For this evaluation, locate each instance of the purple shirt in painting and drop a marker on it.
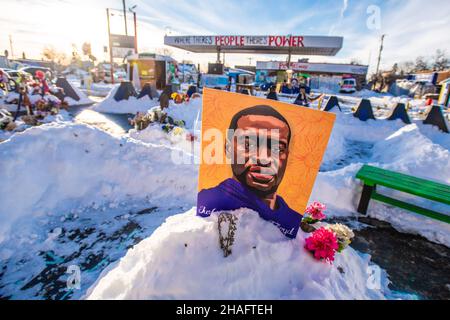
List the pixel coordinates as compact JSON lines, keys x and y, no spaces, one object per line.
{"x":232,"y":195}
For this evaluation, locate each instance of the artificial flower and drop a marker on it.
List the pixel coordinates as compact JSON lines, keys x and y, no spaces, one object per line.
{"x":343,"y":233}
{"x":315,"y":211}
{"x":323,"y":244}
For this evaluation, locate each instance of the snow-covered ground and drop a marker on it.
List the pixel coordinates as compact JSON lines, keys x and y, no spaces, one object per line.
{"x":70,"y":191}
{"x":61,"y":166}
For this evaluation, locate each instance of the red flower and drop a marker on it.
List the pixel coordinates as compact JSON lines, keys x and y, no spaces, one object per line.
{"x":323,"y":243}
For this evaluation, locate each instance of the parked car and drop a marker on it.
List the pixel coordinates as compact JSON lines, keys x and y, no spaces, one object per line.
{"x":119,"y":76}
{"x":32,"y":71}
{"x":348,"y":86}
{"x":14,"y":74}
{"x":103,"y":73}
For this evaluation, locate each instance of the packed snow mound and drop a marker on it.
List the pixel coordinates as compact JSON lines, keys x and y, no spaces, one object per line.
{"x":186,"y":138}
{"x":179,"y":138}
{"x":336,"y":145}
{"x":60,"y":166}
{"x":190,"y":112}
{"x":84,"y":100}
{"x":132,"y":105}
{"x":408,"y":150}
{"x":182,"y":259}
{"x":99,"y":89}
{"x":50,"y":97}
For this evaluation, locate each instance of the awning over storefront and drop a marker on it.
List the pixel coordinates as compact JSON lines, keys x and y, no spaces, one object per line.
{"x":270,"y":44}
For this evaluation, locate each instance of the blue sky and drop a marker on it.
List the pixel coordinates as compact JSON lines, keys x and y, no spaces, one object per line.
{"x":413,"y":27}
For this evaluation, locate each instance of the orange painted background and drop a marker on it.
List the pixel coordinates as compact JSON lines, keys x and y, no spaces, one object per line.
{"x":311,"y":130}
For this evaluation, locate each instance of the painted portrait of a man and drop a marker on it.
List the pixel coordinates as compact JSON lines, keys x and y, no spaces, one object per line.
{"x":260,"y":154}
{"x":257,"y":143}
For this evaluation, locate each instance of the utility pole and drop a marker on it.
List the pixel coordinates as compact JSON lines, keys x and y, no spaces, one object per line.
{"x":110,"y":48}
{"x":125,"y":16}
{"x":379,"y":54}
{"x":11,"y":46}
{"x":135,"y":32}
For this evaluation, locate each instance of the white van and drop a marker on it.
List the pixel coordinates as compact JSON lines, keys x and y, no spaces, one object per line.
{"x":348,"y":85}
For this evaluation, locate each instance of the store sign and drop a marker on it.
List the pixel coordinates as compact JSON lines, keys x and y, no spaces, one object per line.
{"x":276,"y":41}
{"x":121,"y":41}
{"x":122,"y":46}
{"x":312,"y":67}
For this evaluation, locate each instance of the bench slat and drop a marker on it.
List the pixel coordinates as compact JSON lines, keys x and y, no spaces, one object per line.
{"x":424,"y":188}
{"x":391,"y":175}
{"x":411,"y":207}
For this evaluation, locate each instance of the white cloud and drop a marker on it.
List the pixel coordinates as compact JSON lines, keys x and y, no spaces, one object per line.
{"x":341,"y":17}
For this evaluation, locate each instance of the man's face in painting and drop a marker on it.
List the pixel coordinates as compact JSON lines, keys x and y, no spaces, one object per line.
{"x":261,"y":151}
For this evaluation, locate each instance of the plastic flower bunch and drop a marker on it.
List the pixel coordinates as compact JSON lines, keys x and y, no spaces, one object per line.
{"x":314,"y":212}
{"x":323,"y":244}
{"x":343,"y":234}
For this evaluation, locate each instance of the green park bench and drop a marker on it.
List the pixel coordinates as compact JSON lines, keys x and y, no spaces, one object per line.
{"x":373,"y":176}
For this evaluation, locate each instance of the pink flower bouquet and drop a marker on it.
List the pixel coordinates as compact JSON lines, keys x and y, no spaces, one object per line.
{"x":314,"y":212}
{"x":323,"y":244}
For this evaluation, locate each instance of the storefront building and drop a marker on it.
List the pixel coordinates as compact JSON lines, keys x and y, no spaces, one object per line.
{"x":320,"y":74}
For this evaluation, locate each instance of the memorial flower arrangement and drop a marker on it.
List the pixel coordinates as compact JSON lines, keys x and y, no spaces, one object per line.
{"x":323,"y":244}
{"x":325,"y":241}
{"x":314,"y":212}
{"x":343,"y":233}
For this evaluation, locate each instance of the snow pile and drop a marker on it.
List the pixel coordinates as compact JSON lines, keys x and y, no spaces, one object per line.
{"x":132,"y":105}
{"x":179,"y":138}
{"x":190,"y":113}
{"x":34,"y":98}
{"x":100,"y":89}
{"x":182,"y":260}
{"x":62,"y":116}
{"x":59,"y":166}
{"x":336,"y":145}
{"x":84,"y":100}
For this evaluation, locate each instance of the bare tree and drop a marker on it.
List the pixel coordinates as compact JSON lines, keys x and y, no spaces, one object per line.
{"x":86,"y":47}
{"x":421,"y":64}
{"x":406,"y":67}
{"x":440,"y":61}
{"x":49,"y":53}
{"x":87,"y":51}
